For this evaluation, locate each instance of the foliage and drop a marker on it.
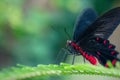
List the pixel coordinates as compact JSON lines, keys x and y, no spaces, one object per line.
{"x":21,"y":72}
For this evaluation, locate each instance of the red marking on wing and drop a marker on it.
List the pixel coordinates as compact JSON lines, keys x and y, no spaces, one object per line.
{"x":106,"y":65}
{"x":105,"y":41}
{"x":112,"y":52}
{"x":113,"y":61}
{"x":110,"y":46}
{"x":97,"y":38}
{"x":98,"y":53}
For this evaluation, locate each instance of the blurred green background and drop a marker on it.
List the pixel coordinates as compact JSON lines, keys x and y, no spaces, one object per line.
{"x":32,"y":31}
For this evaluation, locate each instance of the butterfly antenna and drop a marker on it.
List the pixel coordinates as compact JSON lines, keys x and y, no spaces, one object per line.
{"x":67,"y":34}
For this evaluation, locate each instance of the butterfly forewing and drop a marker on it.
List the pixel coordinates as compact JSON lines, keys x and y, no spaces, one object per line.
{"x":85,"y":18}
{"x":105,"y":25}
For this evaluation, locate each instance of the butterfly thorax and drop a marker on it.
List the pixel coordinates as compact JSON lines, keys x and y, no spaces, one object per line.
{"x":73,"y":44}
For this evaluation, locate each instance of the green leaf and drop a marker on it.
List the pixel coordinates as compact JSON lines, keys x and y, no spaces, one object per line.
{"x":21,"y":72}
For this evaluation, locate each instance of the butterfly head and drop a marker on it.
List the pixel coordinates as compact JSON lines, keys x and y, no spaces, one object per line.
{"x":69,"y":42}
{"x":71,"y":47}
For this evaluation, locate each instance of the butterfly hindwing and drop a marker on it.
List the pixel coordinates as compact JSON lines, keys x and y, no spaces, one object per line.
{"x":103,"y":58}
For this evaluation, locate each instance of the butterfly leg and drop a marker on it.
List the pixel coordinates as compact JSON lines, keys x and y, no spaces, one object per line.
{"x":73,"y":58}
{"x":62,"y":54}
{"x":84,"y":59}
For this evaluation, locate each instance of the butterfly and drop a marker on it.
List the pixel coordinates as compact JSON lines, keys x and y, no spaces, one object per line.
{"x":90,"y":37}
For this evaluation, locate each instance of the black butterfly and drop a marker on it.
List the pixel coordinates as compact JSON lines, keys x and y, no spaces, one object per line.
{"x":90,"y":36}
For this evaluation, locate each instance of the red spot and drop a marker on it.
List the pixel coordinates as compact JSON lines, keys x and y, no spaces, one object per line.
{"x":112,"y":52}
{"x":110,"y":46}
{"x":106,"y":65}
{"x":113,"y":61}
{"x":98,"y":53}
{"x":97,"y":38}
{"x":104,"y":41}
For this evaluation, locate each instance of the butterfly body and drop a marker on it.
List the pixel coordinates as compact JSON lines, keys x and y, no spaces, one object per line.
{"x":87,"y":56}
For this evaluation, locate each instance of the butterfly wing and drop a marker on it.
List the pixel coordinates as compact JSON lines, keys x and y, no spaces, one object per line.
{"x":94,"y":38}
{"x":86,"y":18}
{"x":104,"y":25}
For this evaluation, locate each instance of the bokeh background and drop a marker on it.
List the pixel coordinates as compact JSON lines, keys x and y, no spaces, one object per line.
{"x":32,"y":31}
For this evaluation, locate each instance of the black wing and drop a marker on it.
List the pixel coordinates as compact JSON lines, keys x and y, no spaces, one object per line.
{"x":86,"y":18}
{"x":102,"y":28}
{"x":104,"y":25}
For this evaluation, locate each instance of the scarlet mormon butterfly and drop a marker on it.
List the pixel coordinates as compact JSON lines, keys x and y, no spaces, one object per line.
{"x":90,"y":37}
